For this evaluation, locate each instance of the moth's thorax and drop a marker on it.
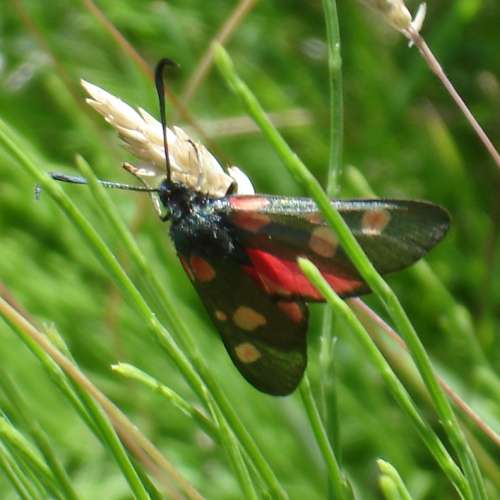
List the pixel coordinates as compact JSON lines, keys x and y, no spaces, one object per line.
{"x":198,"y":222}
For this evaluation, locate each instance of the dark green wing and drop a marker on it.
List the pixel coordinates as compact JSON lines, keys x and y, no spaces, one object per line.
{"x":276,"y":230}
{"x":264,"y":336}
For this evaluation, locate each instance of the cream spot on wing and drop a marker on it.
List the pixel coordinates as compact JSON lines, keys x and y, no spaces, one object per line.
{"x":248,"y":319}
{"x":292,"y":310}
{"x":220,"y":315}
{"x":202,"y":270}
{"x":375,"y":221}
{"x":314,"y":217}
{"x":247,"y":352}
{"x":323,"y":242}
{"x":251,"y":203}
{"x":252,"y":222}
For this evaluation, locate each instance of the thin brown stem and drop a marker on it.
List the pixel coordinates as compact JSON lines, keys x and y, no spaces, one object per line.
{"x":227,"y":29}
{"x":358,"y":306}
{"x":135,"y":441}
{"x":119,"y":38}
{"x":128,"y":48}
{"x":437,"y":69}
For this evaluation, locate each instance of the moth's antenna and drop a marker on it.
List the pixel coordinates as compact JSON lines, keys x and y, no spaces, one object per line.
{"x":160,"y":89}
{"x":74,"y":179}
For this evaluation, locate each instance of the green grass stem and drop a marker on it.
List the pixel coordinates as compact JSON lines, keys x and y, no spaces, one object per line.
{"x":205,"y":423}
{"x":365,"y":268}
{"x":235,"y":456}
{"x":390,"y":472}
{"x":328,"y":395}
{"x":135,"y":298}
{"x":195,"y":364}
{"x":338,"y":482}
{"x":85,"y":405}
{"x":395,"y":386}
{"x":17,"y":477}
{"x":25,"y":416}
{"x":19,"y":445}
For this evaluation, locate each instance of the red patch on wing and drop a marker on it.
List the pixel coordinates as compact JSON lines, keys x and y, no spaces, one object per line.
{"x":247,"y":203}
{"x":285,"y":275}
{"x":201,"y":269}
{"x":292,"y":310}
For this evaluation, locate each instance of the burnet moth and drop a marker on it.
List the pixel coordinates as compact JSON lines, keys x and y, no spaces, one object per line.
{"x":240,"y":249}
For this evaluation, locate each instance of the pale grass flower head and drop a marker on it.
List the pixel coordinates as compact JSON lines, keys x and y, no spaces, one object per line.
{"x":398,"y":16}
{"x":191,"y":163}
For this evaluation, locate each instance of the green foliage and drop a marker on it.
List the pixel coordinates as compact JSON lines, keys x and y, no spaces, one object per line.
{"x":403,"y":138}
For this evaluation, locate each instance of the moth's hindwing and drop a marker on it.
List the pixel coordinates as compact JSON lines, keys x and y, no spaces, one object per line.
{"x":276,"y":230}
{"x":264,"y":336}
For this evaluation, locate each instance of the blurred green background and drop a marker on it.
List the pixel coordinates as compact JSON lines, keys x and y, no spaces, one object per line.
{"x":403,"y":137}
